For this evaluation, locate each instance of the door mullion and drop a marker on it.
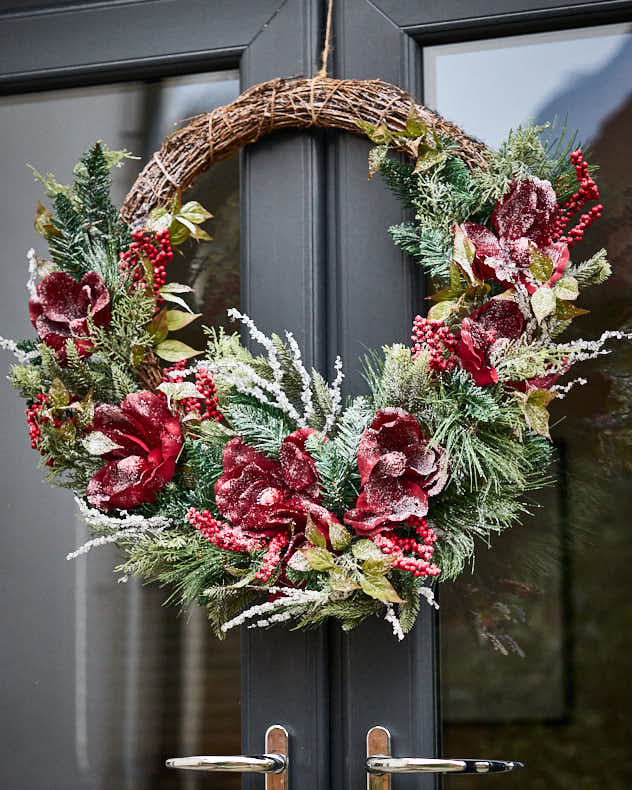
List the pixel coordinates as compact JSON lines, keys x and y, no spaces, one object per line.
{"x":285,"y":674}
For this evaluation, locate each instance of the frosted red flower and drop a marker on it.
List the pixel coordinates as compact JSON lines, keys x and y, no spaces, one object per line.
{"x":524,"y":221}
{"x":399,"y":470}
{"x":61,"y":308}
{"x":266,"y":497}
{"x":497,"y":319}
{"x":148,"y":439}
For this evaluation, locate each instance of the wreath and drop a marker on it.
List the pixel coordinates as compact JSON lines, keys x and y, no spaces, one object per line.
{"x":242,"y":480}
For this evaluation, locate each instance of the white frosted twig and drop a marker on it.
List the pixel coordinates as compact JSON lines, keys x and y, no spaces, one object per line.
{"x":563,"y":389}
{"x":427,"y":593}
{"x":392,"y":618}
{"x":246,"y":381}
{"x":103,"y":540}
{"x":22,"y":356}
{"x":96,"y":518}
{"x":31,"y":283}
{"x":336,"y":397}
{"x":124,"y":526}
{"x":292,"y":599}
{"x":306,"y":392}
{"x":276,"y":386}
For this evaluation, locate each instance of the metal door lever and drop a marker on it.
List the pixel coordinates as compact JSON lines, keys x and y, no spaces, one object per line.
{"x":274,"y":763}
{"x":380,"y":764}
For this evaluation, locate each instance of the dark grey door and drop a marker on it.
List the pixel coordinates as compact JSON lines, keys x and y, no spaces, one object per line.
{"x":151,"y":689}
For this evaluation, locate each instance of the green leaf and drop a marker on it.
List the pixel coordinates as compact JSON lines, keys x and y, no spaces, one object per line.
{"x":175,"y":288}
{"x":541,"y":266}
{"x":97,"y":443}
{"x":341,"y":582}
{"x":378,"y":134}
{"x":441,"y":310}
{"x":313,"y":534}
{"x":176,"y":319}
{"x":158,"y":327}
{"x":566,"y":311}
{"x":43,"y":222}
{"x":378,"y":566}
{"x":378,"y":586}
{"x":194,"y":212}
{"x":178,"y":390}
{"x":463,"y":254}
{"x":169,"y":291}
{"x":175,"y":351}
{"x":566,"y":288}
{"x":339,"y":536}
{"x":58,"y":394}
{"x":137,"y":354}
{"x":159,"y":220}
{"x":543,"y":303}
{"x":534,"y":406}
{"x":319,"y":559}
{"x":376,"y":157}
{"x":429,"y":158}
{"x":365,"y":549}
{"x":415,"y":127}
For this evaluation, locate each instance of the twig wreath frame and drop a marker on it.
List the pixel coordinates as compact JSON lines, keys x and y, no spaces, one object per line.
{"x":295,"y":103}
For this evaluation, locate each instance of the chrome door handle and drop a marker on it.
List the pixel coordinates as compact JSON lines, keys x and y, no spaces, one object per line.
{"x":380,"y":764}
{"x":274,"y":763}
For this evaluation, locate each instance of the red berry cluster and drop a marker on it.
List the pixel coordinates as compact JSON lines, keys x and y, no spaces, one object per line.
{"x":221,"y":534}
{"x":588,"y":190}
{"x":205,"y":386}
{"x":148,"y":248}
{"x":34,"y":418}
{"x":272,"y":557}
{"x":421,"y":545}
{"x":434,"y":337}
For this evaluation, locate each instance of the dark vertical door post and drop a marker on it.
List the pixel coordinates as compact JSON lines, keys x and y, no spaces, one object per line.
{"x":373,"y":294}
{"x":285,"y":673}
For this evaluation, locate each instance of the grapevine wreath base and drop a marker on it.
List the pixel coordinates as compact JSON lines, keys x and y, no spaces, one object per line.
{"x":242,"y":480}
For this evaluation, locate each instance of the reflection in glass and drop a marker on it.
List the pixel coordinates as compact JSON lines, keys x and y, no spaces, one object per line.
{"x":559,"y":699}
{"x":100,"y":683}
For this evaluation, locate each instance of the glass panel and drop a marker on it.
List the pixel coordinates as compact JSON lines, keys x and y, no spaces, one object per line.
{"x":559,"y":699}
{"x":100,"y":683}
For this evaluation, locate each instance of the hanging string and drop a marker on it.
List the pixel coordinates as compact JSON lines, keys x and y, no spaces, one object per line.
{"x":324,"y":57}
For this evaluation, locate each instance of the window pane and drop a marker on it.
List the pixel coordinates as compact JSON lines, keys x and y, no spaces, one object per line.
{"x":100,"y":683}
{"x":553,"y":594}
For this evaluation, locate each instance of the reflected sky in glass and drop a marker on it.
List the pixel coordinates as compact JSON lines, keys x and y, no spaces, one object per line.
{"x":579,"y":75}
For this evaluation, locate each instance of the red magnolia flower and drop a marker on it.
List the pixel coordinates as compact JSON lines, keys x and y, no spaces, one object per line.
{"x":399,"y":470}
{"x":266,"y":497}
{"x":61,"y":307}
{"x":524,"y":221}
{"x":493,"y":321}
{"x":149,"y":439}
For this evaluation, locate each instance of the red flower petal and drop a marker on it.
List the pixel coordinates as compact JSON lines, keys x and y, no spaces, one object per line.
{"x":503,"y":316}
{"x":149,"y":439}
{"x":528,"y":209}
{"x":297,"y":466}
